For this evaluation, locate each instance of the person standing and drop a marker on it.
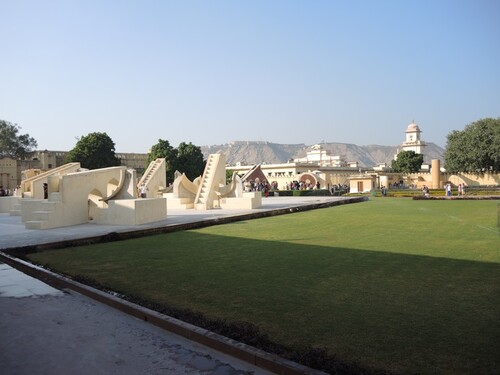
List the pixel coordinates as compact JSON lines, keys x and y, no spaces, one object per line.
{"x":448,"y":189}
{"x":144,"y":190}
{"x":384,"y":191}
{"x":425,"y":191}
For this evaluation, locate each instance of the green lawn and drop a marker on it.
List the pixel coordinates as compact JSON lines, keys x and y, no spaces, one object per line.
{"x":395,"y":284}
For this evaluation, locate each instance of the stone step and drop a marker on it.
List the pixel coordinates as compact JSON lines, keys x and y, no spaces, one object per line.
{"x":15,"y":212}
{"x":201,"y":206}
{"x":179,"y":203}
{"x":36,"y":224}
{"x":186,"y":206}
{"x":41,"y":215}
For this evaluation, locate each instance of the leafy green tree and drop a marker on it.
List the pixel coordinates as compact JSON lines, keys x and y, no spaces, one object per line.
{"x":187,"y":158}
{"x":229,"y":176}
{"x":407,"y":162}
{"x":13,"y":144}
{"x":190,"y":160}
{"x":93,"y":151}
{"x":475,"y":149}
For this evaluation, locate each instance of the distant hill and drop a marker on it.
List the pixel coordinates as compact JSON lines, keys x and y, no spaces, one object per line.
{"x":252,"y":152}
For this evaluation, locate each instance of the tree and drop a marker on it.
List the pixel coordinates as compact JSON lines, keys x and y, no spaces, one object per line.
{"x":93,"y":151}
{"x":407,"y":162}
{"x":14,"y":145}
{"x":229,"y":176}
{"x":475,"y":149}
{"x":187,"y":158}
{"x":190,"y":160}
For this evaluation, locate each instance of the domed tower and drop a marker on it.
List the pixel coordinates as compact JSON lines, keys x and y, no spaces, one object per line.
{"x":413,"y":141}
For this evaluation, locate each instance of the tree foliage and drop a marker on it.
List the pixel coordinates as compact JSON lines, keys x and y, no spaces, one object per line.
{"x":13,"y":144}
{"x":407,"y":162}
{"x":187,"y":158}
{"x":190,"y":160}
{"x":229,"y":176}
{"x":93,"y":151}
{"x":475,"y":149}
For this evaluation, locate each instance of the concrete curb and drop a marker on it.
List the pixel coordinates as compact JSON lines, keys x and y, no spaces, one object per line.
{"x":459,"y":198}
{"x":247,"y":353}
{"x":137,"y":233}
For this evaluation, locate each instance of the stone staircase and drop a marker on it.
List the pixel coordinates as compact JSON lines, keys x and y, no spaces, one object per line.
{"x":153,"y":178}
{"x":41,"y":213}
{"x":40,"y":218}
{"x":204,"y":198}
{"x":39,"y":222}
{"x":16,"y":208}
{"x":151,"y":171}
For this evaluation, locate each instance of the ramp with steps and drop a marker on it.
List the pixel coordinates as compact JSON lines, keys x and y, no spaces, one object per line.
{"x":38,"y":213}
{"x":33,"y":187}
{"x":213,"y":177}
{"x":211,"y":191}
{"x":154,"y":178}
{"x":101,"y":196}
{"x":16,"y":210}
{"x":9,"y":204}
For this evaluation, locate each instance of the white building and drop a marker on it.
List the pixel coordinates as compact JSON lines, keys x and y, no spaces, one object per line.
{"x":320,"y":157}
{"x":413,"y":141}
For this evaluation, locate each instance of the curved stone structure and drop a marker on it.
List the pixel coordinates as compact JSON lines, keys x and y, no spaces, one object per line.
{"x":234,"y":189}
{"x":102,"y":196}
{"x":210,"y":190}
{"x":32,"y":187}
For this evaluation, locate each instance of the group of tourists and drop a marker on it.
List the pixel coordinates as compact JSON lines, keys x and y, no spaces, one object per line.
{"x":301,"y":185}
{"x":4,"y":192}
{"x":338,"y":188}
{"x":257,"y":185}
{"x":449,"y":191}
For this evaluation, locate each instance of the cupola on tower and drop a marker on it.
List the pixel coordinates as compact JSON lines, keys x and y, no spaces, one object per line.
{"x":413,"y":141}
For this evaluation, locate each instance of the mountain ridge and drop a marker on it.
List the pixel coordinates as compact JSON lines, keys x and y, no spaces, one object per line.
{"x":259,"y":152}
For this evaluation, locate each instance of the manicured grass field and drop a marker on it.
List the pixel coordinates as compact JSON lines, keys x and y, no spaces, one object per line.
{"x":395,"y":284}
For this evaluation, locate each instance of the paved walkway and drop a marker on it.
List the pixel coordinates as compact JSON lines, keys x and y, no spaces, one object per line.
{"x":14,"y":234}
{"x":47,"y":331}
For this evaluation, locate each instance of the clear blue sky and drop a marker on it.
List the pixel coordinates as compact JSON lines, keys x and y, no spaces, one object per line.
{"x":212,"y":72}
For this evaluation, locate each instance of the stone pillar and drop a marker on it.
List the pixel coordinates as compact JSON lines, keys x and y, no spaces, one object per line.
{"x":384,"y":181}
{"x":436,"y":174}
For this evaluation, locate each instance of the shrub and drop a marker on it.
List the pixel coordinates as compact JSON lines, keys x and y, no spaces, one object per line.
{"x":300,"y":193}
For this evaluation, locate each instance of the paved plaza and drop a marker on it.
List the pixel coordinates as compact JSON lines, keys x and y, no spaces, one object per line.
{"x":14,"y":234}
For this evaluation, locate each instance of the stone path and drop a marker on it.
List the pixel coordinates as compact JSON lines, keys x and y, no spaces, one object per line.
{"x":47,"y":331}
{"x":14,"y":234}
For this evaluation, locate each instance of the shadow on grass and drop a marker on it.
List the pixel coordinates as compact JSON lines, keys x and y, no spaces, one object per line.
{"x":339,"y":310}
